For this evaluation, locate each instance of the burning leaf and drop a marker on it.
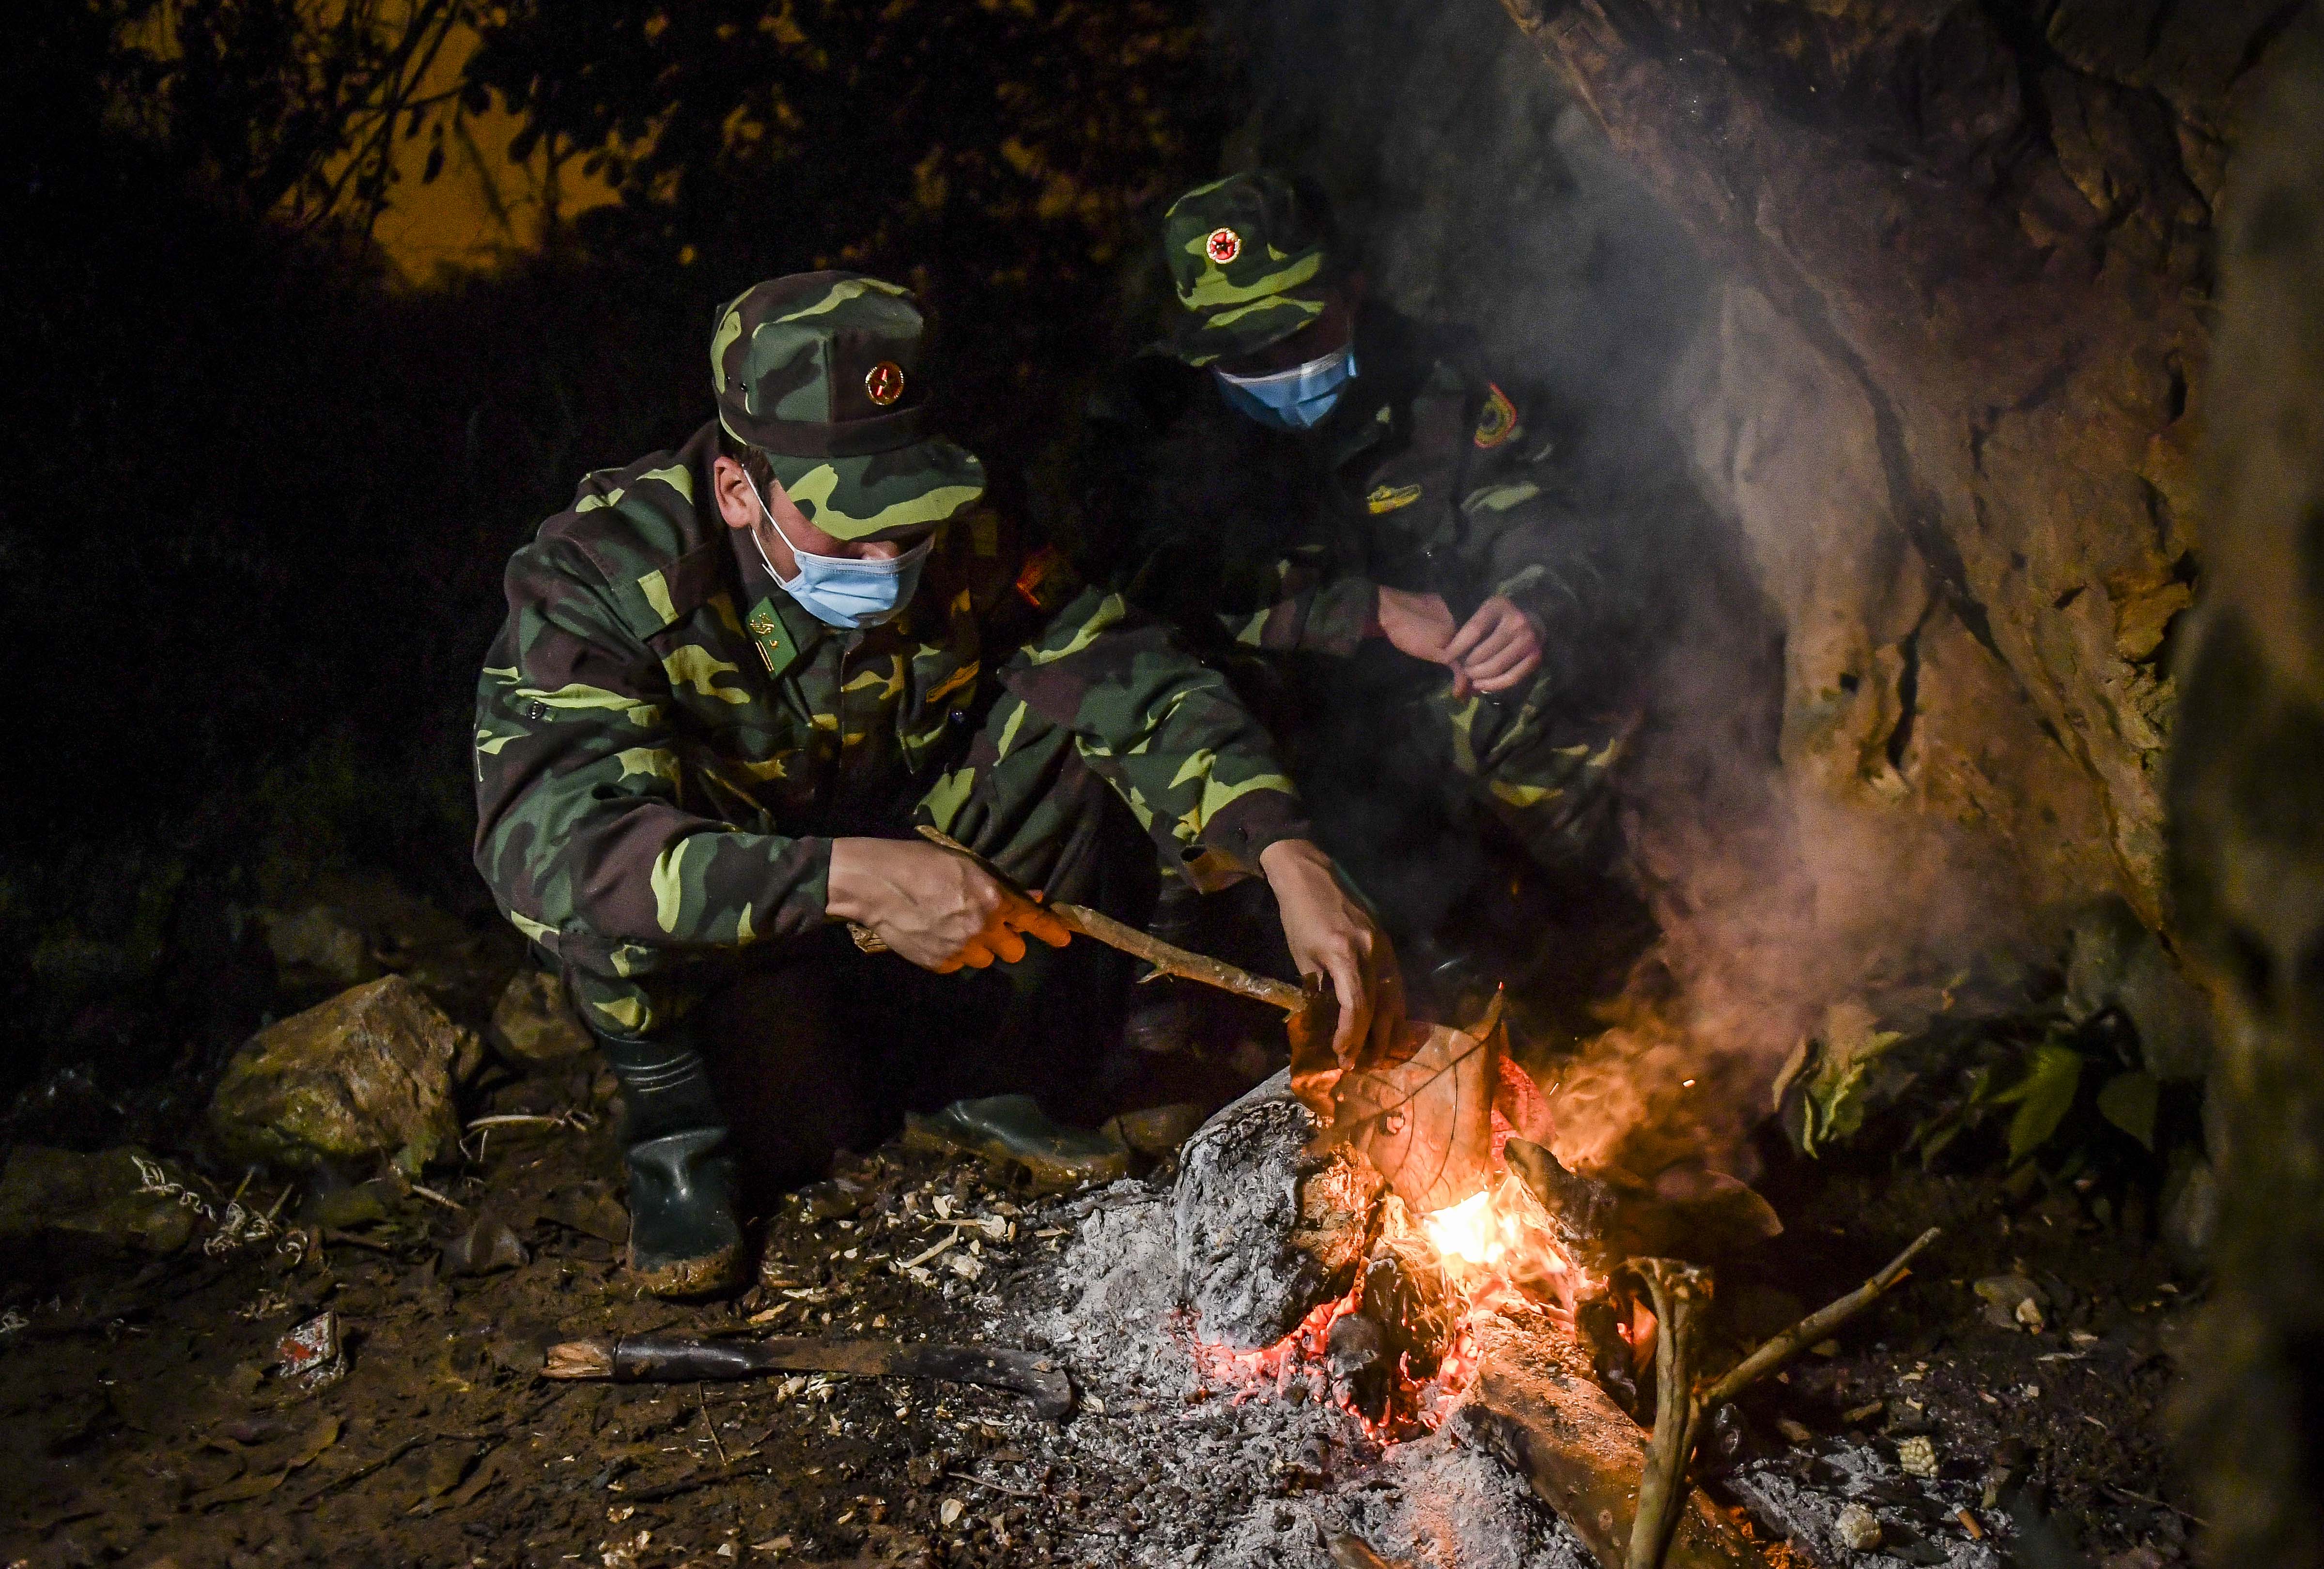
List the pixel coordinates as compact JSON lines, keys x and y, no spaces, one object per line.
{"x":1425,"y":1119}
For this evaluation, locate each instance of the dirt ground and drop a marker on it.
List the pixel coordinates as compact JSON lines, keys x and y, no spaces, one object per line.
{"x":141,"y":1419}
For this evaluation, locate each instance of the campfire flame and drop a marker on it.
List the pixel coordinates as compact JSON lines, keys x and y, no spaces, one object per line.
{"x":1498,"y":1255}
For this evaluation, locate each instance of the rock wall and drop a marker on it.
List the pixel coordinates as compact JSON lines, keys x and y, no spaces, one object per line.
{"x":1920,"y":286}
{"x":1957,"y":334}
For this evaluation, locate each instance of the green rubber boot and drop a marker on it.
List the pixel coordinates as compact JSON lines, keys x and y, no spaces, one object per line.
{"x":685,"y":1240}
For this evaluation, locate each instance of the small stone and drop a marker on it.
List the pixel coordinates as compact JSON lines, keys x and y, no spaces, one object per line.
{"x":1858,"y":1528}
{"x":2028,"y":1312}
{"x":1158,"y":1131}
{"x":948,"y":1512}
{"x":534,"y":1021}
{"x":1917,"y":1456}
{"x":1795,"y":1431}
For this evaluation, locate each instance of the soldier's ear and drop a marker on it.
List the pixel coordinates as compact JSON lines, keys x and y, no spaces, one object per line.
{"x":738,"y":504}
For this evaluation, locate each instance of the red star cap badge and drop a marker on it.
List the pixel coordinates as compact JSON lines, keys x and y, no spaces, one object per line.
{"x":1224,"y":246}
{"x":884,"y":383}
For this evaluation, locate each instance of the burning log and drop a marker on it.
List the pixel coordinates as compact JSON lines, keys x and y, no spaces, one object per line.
{"x":1267,"y":1227}
{"x":1406,"y":1293}
{"x":1535,"y":1405}
{"x":1610,"y":1216}
{"x":677,"y":1359}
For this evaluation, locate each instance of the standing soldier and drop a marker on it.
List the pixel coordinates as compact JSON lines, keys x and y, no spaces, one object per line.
{"x":1338,"y":504}
{"x":731,"y":679}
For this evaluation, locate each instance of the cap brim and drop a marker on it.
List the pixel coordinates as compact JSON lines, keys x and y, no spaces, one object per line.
{"x":1201,"y":336}
{"x":884,"y":492}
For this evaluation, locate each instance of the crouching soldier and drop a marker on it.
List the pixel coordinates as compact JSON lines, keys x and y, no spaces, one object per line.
{"x":733,"y":680}
{"x":1342,"y":504}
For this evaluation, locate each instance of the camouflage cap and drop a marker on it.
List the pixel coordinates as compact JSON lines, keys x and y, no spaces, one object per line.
{"x":820,"y":372}
{"x":1248,"y":256}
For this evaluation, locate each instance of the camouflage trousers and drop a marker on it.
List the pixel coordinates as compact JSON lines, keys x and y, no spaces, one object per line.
{"x":1026,"y":794}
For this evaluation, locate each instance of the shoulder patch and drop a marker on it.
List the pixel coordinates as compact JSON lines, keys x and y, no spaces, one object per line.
{"x":1497,"y":421}
{"x":1388,"y":497}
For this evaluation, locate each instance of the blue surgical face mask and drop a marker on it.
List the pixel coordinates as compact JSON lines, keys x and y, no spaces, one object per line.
{"x":846,"y":591}
{"x":1292,"y":399}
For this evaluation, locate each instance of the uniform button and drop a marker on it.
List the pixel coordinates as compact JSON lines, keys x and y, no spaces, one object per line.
{"x":537,"y":710}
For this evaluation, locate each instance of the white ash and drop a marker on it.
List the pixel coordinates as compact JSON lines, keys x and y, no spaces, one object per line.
{"x":1109,"y":1302}
{"x":1910,"y":1509}
{"x":1272,"y":1480}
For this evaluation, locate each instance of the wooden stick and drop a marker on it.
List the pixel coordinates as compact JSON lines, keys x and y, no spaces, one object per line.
{"x":1679,"y":1291}
{"x":1816,"y":1326}
{"x":676,"y":1359}
{"x":1167,"y":957}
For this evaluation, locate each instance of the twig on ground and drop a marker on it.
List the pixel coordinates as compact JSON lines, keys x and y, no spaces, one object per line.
{"x":702,"y":1404}
{"x":433,"y":1196}
{"x":994,"y":1486}
{"x":2126,"y":1496}
{"x":1815,"y":1327}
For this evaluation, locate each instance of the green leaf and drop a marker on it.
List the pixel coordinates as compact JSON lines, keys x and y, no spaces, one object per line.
{"x":2044,"y":1096}
{"x":2128,"y":1101}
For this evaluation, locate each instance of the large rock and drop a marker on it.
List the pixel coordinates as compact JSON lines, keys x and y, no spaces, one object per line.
{"x":366,"y":1074}
{"x":1265,"y":1230}
{"x":101,"y":1199}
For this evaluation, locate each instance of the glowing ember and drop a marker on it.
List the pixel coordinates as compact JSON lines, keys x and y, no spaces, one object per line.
{"x":1497,"y":1256}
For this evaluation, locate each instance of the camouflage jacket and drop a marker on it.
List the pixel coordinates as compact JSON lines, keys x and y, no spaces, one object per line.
{"x":666,"y":743}
{"x":1425,"y":476}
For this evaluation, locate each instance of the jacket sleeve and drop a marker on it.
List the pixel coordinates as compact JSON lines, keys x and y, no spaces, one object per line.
{"x":1563,"y":561}
{"x":583,"y":832}
{"x":1311,"y":609}
{"x":1163,"y":729}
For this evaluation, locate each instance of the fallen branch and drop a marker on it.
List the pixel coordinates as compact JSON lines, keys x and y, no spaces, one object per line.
{"x":1680,"y":1292}
{"x":675,"y":1359}
{"x":1815,"y":1327}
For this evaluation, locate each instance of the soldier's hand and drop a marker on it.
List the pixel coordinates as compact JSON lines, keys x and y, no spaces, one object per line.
{"x":1499,"y":648}
{"x":1416,"y":624}
{"x":940,"y":910}
{"x":1331,"y":934}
